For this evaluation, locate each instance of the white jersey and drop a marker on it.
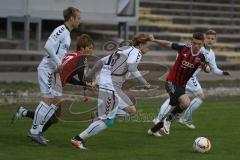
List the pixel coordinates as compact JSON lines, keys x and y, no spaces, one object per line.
{"x":57,"y":46}
{"x":211,"y":60}
{"x":193,"y":86}
{"x":117,"y":66}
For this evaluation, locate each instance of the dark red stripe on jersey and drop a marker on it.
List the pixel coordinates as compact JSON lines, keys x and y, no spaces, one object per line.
{"x":177,"y":65}
{"x":183,"y":74}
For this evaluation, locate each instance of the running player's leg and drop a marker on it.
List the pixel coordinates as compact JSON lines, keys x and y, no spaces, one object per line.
{"x":52,"y":116}
{"x":180,"y":100}
{"x":45,"y":108}
{"x":107,"y":109}
{"x":22,"y":112}
{"x":194,"y":87}
{"x":164,"y":109}
{"x":126,"y":103}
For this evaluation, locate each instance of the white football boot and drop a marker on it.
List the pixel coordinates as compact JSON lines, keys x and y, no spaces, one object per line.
{"x":156,"y":134}
{"x":189,"y":124}
{"x":18,"y":114}
{"x":166,"y":126}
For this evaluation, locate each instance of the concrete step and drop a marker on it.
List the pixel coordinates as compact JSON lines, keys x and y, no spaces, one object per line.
{"x":18,"y":66}
{"x":184,"y":28}
{"x":31,"y":66}
{"x":226,"y":60}
{"x":227,"y":42}
{"x":188,"y":12}
{"x":187,"y":20}
{"x":187,"y":5}
{"x":202,"y":1}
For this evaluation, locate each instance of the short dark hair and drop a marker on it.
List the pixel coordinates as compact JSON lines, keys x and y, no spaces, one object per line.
{"x":139,"y":39}
{"x":83,"y":41}
{"x":211,"y":32}
{"x":198,"y":36}
{"x":69,"y":12}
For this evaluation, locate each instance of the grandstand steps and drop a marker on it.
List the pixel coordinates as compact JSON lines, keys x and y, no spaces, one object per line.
{"x":31,"y":66}
{"x":176,"y":19}
{"x":186,"y":28}
{"x":27,"y":61}
{"x":187,"y":12}
{"x":202,"y":1}
{"x":173,"y":4}
{"x":223,"y":39}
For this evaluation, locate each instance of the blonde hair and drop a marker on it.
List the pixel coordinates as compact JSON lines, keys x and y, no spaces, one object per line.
{"x":139,"y":39}
{"x":70,"y":12}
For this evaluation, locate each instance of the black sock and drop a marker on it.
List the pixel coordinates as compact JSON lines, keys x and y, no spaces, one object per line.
{"x":78,"y":138}
{"x":157,"y":127}
{"x":30,"y":114}
{"x":47,"y":125}
{"x":174,"y":112}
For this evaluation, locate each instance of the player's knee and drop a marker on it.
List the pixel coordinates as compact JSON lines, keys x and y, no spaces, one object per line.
{"x":184,"y":101}
{"x":201,"y":96}
{"x":110,"y":122}
{"x":185,"y":104}
{"x":131,"y":110}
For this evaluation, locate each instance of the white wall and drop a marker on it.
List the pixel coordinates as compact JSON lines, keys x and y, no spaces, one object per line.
{"x":92,"y":11}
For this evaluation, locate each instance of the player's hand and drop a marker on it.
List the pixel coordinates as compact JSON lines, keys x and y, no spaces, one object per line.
{"x":91,"y":86}
{"x":151,"y":37}
{"x":59,"y":69}
{"x":205,"y":67}
{"x":226,"y":73}
{"x":147,"y":86}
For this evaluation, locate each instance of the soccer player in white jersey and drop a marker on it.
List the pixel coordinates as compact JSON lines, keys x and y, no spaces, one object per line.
{"x":193,"y":86}
{"x":114,"y":70}
{"x":49,"y":80}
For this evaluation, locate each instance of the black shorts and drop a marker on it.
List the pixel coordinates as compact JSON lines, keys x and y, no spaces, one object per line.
{"x":174,"y":92}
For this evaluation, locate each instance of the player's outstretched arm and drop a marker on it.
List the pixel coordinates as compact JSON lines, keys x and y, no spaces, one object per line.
{"x":214,"y":68}
{"x":161,"y":42}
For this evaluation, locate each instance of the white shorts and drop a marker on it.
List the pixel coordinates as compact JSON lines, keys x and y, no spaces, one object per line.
{"x":193,"y":86}
{"x":110,"y":101}
{"x":50,"y":83}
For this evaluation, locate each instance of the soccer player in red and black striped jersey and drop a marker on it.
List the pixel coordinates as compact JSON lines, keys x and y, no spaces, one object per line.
{"x":189,"y":59}
{"x":72,"y":64}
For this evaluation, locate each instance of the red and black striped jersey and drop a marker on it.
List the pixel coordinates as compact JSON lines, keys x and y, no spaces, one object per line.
{"x":185,"y":65}
{"x":72,"y":63}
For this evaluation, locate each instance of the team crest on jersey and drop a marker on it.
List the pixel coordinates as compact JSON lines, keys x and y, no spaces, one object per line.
{"x":197,"y":60}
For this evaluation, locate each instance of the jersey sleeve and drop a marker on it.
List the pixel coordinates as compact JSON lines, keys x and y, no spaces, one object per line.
{"x":177,"y":46}
{"x":133,"y":61}
{"x":213,"y":66}
{"x":134,"y":58}
{"x":53,"y":43}
{"x":98,"y":66}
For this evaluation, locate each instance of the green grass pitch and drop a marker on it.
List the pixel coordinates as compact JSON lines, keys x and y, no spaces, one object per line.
{"x":127,"y":140}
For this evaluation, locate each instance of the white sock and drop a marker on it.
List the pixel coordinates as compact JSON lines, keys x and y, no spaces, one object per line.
{"x":165,"y":108}
{"x":24,"y":113}
{"x":93,"y":129}
{"x":42,"y":108}
{"x":51,"y":110}
{"x":194,"y":105}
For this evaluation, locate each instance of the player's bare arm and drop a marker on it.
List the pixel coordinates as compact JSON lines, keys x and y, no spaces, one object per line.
{"x":161,"y":42}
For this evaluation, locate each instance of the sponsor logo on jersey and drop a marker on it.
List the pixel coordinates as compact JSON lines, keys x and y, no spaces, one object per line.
{"x":186,"y":64}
